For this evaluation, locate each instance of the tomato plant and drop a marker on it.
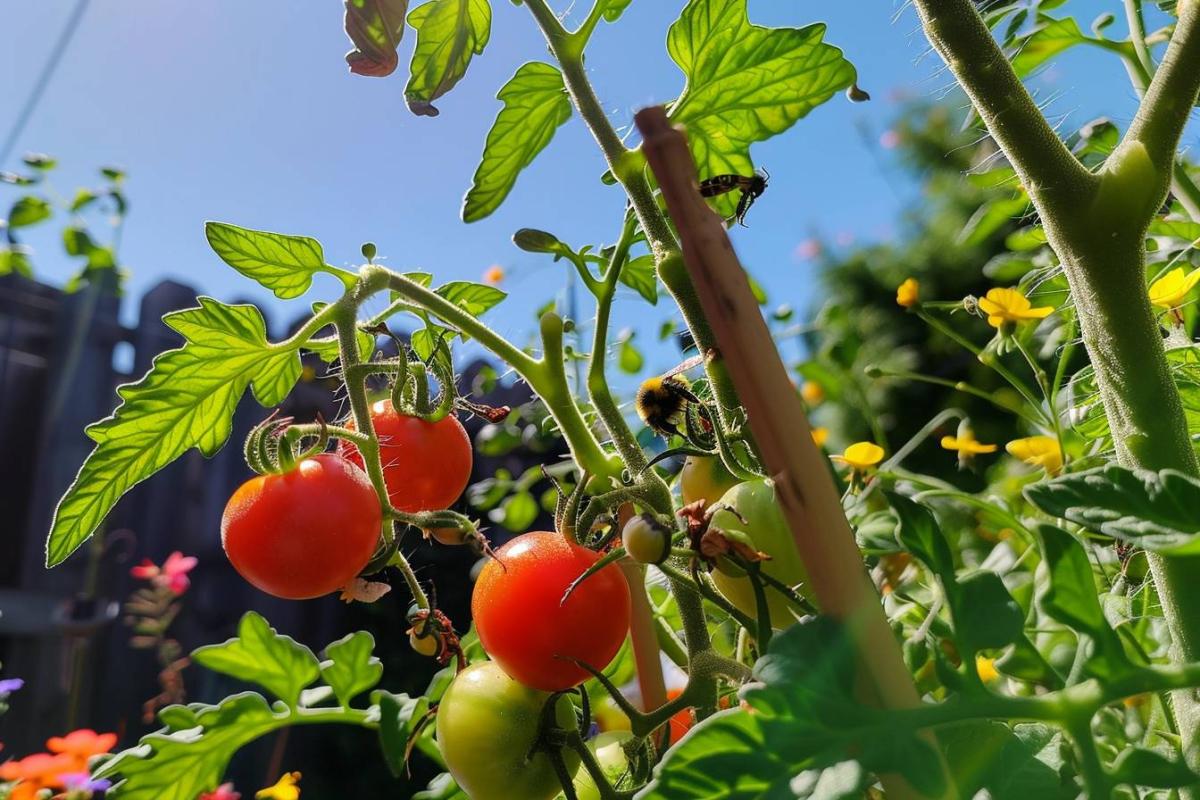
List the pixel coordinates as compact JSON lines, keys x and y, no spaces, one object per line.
{"x":304,"y":532}
{"x":528,"y":627}
{"x":487,"y":729}
{"x":939,"y":588}
{"x":426,"y":465}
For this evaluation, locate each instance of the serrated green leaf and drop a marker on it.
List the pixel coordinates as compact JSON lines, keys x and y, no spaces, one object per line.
{"x":15,"y":258}
{"x":746,"y":83}
{"x":919,"y":534}
{"x":282,"y":263}
{"x":985,"y":615}
{"x":186,"y":400}
{"x":180,"y":763}
{"x":259,"y":655}
{"x":805,"y":717}
{"x":535,"y":105}
{"x":1018,"y":763}
{"x":640,"y":275}
{"x":350,"y":668}
{"x":375,"y":28}
{"x":449,"y":33}
{"x":29,"y":210}
{"x":1143,"y":767}
{"x":474,"y":298}
{"x":441,"y":787}
{"x":1070,"y":596}
{"x":83,"y":198}
{"x":398,"y":716}
{"x":1157,"y":511}
{"x":1052,"y":37}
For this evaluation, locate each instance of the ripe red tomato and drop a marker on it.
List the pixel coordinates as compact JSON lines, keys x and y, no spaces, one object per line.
{"x":426,"y":465}
{"x":487,"y":723}
{"x":681,"y":721}
{"x":304,"y":533}
{"x":525,"y":627}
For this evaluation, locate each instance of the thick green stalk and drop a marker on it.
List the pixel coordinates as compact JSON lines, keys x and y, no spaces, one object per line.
{"x":1096,"y":223}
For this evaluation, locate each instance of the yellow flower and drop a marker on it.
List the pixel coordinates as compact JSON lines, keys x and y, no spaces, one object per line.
{"x":861,"y":456}
{"x":908,"y":293}
{"x":820,"y":436}
{"x":1170,"y":290}
{"x":986,"y":668}
{"x":1009,"y":306}
{"x":284,"y":789}
{"x":966,"y":445}
{"x":813,"y":393}
{"x":1038,"y":451}
{"x":493,"y":275}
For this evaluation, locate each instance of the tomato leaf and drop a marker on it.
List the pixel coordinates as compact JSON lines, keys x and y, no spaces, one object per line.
{"x":190,"y":755}
{"x":639,"y":274}
{"x":15,"y":258}
{"x":535,"y":105}
{"x":1154,"y":510}
{"x":260,"y":655}
{"x":805,"y":718}
{"x":746,"y":83}
{"x":1049,"y":39}
{"x":186,"y":400}
{"x":398,"y":715}
{"x":29,"y":210}
{"x":985,"y":614}
{"x":350,"y":668}
{"x":282,"y":263}
{"x":474,"y":298}
{"x":919,"y":534}
{"x":1087,"y":411}
{"x":449,"y":33}
{"x":613,"y":9}
{"x":1070,"y":596}
{"x":375,"y":28}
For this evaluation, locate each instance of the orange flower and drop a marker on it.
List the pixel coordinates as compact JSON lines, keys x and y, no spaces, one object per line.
{"x":820,"y":436}
{"x":493,"y":275}
{"x":908,"y":294}
{"x":813,"y":393}
{"x":36,"y":772}
{"x":81,"y":745}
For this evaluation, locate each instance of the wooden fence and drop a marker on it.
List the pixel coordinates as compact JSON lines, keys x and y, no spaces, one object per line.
{"x":60,"y":629}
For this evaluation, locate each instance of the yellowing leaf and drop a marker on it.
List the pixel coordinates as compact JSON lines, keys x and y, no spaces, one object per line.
{"x":449,"y":33}
{"x":535,"y":105}
{"x":745,"y":82}
{"x":186,"y":400}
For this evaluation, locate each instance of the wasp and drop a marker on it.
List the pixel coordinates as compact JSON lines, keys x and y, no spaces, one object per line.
{"x":662,"y":400}
{"x":751,"y":187}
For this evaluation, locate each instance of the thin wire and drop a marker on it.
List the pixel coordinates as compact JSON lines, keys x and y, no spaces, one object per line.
{"x":39,"y":88}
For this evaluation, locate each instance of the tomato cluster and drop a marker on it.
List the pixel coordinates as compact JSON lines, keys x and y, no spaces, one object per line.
{"x":310,"y":530}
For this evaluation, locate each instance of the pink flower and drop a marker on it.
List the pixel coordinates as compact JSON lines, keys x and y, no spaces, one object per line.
{"x":809,"y":248}
{"x":171,"y":575}
{"x":223,"y":792}
{"x":889,"y":140}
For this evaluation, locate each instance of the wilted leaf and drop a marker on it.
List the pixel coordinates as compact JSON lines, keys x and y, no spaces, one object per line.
{"x":375,"y":27}
{"x":449,"y":33}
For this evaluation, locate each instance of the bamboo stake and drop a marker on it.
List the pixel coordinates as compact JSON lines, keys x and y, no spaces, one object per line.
{"x":810,"y":501}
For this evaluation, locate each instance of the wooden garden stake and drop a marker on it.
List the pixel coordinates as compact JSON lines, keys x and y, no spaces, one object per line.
{"x":810,"y":501}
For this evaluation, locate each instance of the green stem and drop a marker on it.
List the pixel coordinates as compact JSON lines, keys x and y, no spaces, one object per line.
{"x":987,"y":359}
{"x":1043,"y":382}
{"x":960,"y":386}
{"x":546,"y":378}
{"x":1095,"y":781}
{"x":628,"y":167}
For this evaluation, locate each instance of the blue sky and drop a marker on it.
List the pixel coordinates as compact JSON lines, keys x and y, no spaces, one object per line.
{"x":245,"y":112}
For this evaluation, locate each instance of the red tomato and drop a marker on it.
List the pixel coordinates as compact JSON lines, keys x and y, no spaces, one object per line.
{"x":426,"y":465}
{"x":304,"y":533}
{"x":525,"y":627}
{"x":681,"y":721}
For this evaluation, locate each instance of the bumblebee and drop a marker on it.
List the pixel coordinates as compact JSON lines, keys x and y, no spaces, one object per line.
{"x":751,"y":187}
{"x":662,"y":400}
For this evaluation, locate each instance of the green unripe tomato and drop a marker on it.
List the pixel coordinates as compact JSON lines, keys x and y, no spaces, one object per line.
{"x":486,"y":725}
{"x":645,"y":540}
{"x":611,"y":757}
{"x":704,"y":478}
{"x":766,"y":528}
